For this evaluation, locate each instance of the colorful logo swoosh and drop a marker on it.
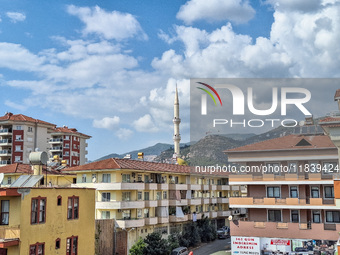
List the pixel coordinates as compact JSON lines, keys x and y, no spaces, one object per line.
{"x":209,"y":93}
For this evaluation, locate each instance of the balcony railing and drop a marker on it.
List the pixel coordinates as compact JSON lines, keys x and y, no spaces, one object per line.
{"x":131,"y":222}
{"x":5,"y":162}
{"x":56,"y":148}
{"x":5,"y":152}
{"x":5,"y":131}
{"x":281,"y":201}
{"x":56,"y":140}
{"x":12,"y":232}
{"x":5,"y":141}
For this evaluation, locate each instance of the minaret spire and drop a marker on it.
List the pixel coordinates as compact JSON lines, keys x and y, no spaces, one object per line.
{"x":176,"y":121}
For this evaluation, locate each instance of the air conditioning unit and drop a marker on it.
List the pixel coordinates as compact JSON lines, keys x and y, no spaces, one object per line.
{"x":235,"y":212}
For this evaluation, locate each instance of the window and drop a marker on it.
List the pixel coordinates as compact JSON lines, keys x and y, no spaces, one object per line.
{"x":4,"y":212}
{"x":30,"y":129}
{"x":139,"y":178}
{"x":67,"y":145}
{"x":159,"y":195}
{"x":329,"y":168}
{"x":59,"y":199}
{"x":125,"y":178}
{"x":333,"y":216}
{"x":139,"y":195}
{"x":274,"y":215}
{"x":316,"y":217}
{"x":94,"y":176}
{"x":17,"y":158}
{"x":106,"y":178}
{"x":37,"y":249}
{"x":292,"y":167}
{"x":9,"y":180}
{"x":146,"y":196}
{"x":126,"y":214}
{"x":72,"y":245}
{"x":106,"y":197}
{"x":38,"y":210}
{"x":165,"y":195}
{"x":329,"y":192}
{"x":105,"y":214}
{"x":313,"y":167}
{"x":315,"y":192}
{"x":273,"y":192}
{"x":18,"y":138}
{"x":295,"y":216}
{"x":73,"y":208}
{"x":293,"y":191}
{"x":57,"y":244}
{"x":67,"y":137}
{"x":83,"y":178}
{"x":273,"y":168}
{"x":146,"y":213}
{"x":126,"y":196}
{"x":67,"y":153}
{"x":176,"y":180}
{"x":139,"y":213}
{"x":17,"y":147}
{"x":146,"y":178}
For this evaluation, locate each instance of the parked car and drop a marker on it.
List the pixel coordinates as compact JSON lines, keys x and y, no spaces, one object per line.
{"x":180,"y":251}
{"x":223,"y":232}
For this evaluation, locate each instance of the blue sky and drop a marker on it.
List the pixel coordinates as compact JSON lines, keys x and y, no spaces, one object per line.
{"x":109,"y":68}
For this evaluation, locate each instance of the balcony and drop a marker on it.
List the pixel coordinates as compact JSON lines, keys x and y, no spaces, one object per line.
{"x":223,"y":213}
{"x":204,"y":187}
{"x":163,"y":202}
{"x":12,"y":232}
{"x":5,"y":153}
{"x":174,"y":202}
{"x":120,"y":205}
{"x":288,"y":230}
{"x":213,"y":214}
{"x":194,"y":201}
{"x":204,"y":200}
{"x":56,"y":140}
{"x":131,"y":223}
{"x":5,"y":142}
{"x":54,"y":149}
{"x":213,"y":200}
{"x":194,"y":186}
{"x":223,"y":200}
{"x":162,"y":186}
{"x":213,"y":187}
{"x":5,"y":131}
{"x":173,"y":218}
{"x":223,"y":187}
{"x":198,"y":216}
{"x":151,"y":221}
{"x":245,"y":179}
{"x":151,"y":203}
{"x":4,"y":162}
{"x":161,"y":220}
{"x":150,"y":186}
{"x":178,"y":186}
{"x":112,"y":186}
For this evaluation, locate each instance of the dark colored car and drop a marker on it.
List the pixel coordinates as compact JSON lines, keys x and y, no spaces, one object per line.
{"x":180,"y":251}
{"x":223,"y":232}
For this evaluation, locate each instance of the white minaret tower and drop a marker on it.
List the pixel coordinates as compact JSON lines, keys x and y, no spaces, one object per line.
{"x":177,"y":121}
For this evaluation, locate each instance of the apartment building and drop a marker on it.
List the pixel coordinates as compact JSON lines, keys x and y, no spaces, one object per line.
{"x":144,"y":197}
{"x":47,"y":221}
{"x":290,"y":201}
{"x":20,"y":135}
{"x":68,"y":144}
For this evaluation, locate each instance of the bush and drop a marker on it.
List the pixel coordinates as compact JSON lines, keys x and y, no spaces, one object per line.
{"x":138,"y":247}
{"x":156,"y":245}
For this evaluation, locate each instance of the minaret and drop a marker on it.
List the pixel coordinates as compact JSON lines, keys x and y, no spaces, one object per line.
{"x":177,"y":121}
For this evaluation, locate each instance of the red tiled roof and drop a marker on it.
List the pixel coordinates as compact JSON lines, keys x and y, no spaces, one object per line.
{"x":22,"y":118}
{"x":65,"y":129}
{"x":288,"y":142}
{"x":337,"y":94}
{"x":25,"y":169}
{"x":115,"y":163}
{"x":330,"y":122}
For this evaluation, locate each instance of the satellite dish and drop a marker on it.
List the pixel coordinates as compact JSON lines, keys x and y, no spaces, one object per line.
{"x":1,"y":177}
{"x":230,"y":217}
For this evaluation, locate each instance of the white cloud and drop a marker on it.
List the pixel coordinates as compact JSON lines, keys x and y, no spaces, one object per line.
{"x":124,"y":133}
{"x":107,"y":123}
{"x":16,"y":16}
{"x":16,"y":106}
{"x":238,"y":11}
{"x":110,"y":25}
{"x":145,"y":124}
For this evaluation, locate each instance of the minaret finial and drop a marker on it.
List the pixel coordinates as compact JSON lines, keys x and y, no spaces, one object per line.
{"x":176,"y":121}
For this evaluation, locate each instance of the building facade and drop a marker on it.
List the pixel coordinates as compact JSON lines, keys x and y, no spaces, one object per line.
{"x":290,"y":201}
{"x":144,"y":197}
{"x":20,"y":135}
{"x":47,"y":221}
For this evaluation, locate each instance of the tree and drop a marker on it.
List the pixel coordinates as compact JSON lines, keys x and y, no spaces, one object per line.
{"x":138,"y":247}
{"x":190,"y":236}
{"x":206,"y":229}
{"x":173,"y":241}
{"x":156,"y":245}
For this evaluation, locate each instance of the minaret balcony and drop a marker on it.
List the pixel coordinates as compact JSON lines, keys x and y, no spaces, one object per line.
{"x":177,"y":138}
{"x":177,"y":120}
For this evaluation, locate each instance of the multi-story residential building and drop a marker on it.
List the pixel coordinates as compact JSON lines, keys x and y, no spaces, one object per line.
{"x":290,"y":198}
{"x":144,"y":197}
{"x":20,"y":135}
{"x":69,"y":144}
{"x":45,"y":220}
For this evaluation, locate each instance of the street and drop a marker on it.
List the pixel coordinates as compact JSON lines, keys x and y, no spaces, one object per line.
{"x":215,"y":246}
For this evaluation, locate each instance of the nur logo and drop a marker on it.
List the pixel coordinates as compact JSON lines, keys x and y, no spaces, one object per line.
{"x":204,"y":97}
